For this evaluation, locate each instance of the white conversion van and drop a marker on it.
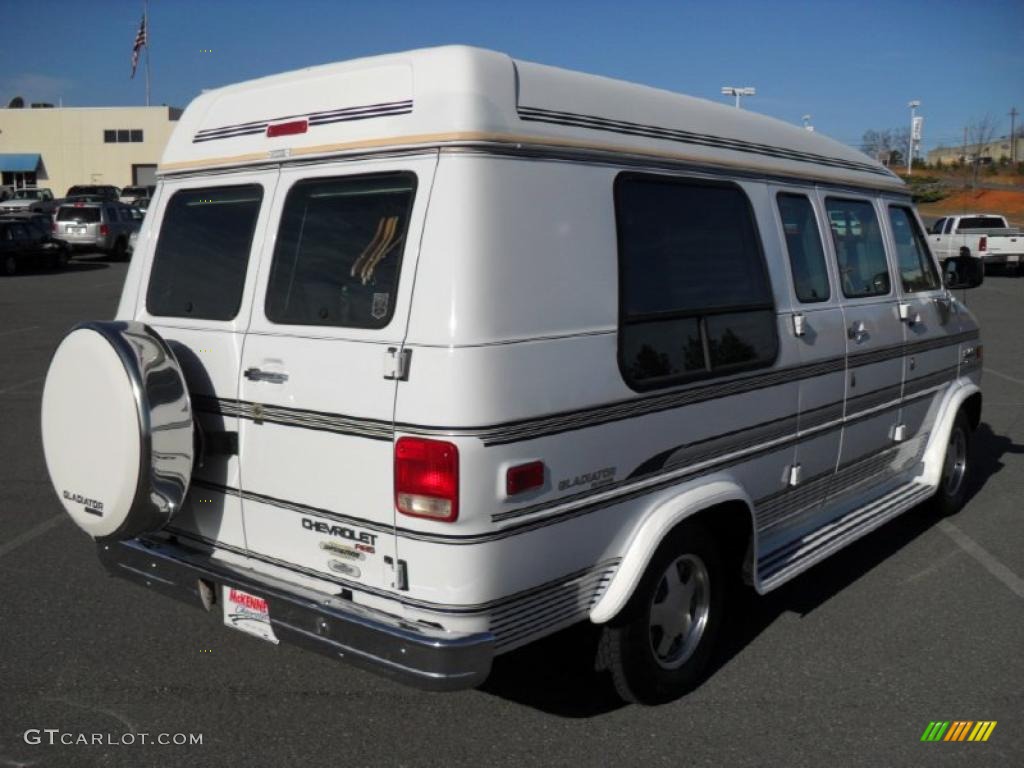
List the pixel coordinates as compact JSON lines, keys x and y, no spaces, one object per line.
{"x":422,"y":357}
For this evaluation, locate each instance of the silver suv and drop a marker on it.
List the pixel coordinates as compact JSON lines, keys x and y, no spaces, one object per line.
{"x":97,"y":226}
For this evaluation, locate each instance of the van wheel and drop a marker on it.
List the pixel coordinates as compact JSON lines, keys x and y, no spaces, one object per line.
{"x":10,"y":265}
{"x":659,"y":646}
{"x":956,"y":469}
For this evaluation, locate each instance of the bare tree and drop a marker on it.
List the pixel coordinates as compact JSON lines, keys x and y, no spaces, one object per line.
{"x":900,"y":146}
{"x":979,"y":134}
{"x":878,"y":144}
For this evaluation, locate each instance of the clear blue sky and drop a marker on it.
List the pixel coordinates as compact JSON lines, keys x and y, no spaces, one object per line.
{"x":852,"y":64}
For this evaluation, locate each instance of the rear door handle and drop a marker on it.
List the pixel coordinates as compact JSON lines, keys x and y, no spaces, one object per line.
{"x":271,"y":377}
{"x":857,"y":331}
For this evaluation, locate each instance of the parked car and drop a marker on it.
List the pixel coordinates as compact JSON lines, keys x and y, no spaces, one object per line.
{"x":6,"y":190}
{"x":141,"y":204}
{"x":654,"y":345}
{"x":985,"y":236}
{"x":105,"y":191}
{"x":101,"y":227}
{"x":38,"y":200}
{"x":27,"y":243}
{"x":132,"y":194}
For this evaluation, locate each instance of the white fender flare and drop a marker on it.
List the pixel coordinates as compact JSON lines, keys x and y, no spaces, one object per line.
{"x":693,"y":497}
{"x":936,"y":451}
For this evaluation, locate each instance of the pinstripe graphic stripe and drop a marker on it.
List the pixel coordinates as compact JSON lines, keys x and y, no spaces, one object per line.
{"x":346,"y":114}
{"x":544,"y":426}
{"x":555,"y":117}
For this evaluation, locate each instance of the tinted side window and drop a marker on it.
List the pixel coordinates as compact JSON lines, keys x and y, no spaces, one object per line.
{"x":694,"y":295}
{"x":917,"y":271}
{"x":863,"y":270}
{"x":339,"y":251}
{"x":203,"y":251}
{"x":803,"y":242}
{"x":949,"y":226}
{"x":937,"y":227}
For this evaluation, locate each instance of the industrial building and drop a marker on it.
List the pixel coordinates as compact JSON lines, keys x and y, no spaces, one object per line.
{"x":990,"y":152}
{"x":57,"y":147}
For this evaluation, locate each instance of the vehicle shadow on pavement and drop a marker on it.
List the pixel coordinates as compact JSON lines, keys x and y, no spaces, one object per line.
{"x":987,"y":449}
{"x":557,"y":675}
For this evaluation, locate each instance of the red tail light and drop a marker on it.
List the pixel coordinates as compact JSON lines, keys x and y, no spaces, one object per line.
{"x":104,"y":230}
{"x":427,"y":478}
{"x":983,"y":243}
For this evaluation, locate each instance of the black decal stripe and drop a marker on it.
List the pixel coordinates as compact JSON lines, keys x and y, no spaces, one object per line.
{"x":566,"y":421}
{"x":324,"y":117}
{"x":556,"y":117}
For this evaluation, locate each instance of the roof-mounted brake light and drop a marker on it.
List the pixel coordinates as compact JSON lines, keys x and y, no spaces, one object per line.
{"x":287,"y":129}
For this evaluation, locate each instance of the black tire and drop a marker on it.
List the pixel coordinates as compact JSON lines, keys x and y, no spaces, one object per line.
{"x":63,"y":258}
{"x":954,"y":482}
{"x":119,"y":251}
{"x":628,"y":644}
{"x":10,"y":265}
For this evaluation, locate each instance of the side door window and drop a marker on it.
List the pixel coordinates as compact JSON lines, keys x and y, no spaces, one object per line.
{"x":694,"y":296}
{"x":874,"y":351}
{"x":916,"y":266}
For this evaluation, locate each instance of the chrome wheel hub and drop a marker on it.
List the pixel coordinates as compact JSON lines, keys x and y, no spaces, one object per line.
{"x":955,"y":465}
{"x":679,"y":611}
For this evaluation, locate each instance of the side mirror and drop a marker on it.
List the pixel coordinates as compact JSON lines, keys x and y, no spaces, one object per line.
{"x":963,"y":272}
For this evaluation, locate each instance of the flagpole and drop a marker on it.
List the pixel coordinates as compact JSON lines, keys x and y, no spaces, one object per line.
{"x":145,"y":16}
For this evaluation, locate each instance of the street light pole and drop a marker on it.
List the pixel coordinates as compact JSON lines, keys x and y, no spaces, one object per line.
{"x":910,"y":141}
{"x":732,"y":90}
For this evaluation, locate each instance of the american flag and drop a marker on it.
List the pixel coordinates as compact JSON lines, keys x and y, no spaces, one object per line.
{"x":140,"y":41}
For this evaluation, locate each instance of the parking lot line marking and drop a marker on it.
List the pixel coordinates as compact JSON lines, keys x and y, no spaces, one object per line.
{"x":13,"y":387}
{"x":1004,"y":376}
{"x":18,"y":330}
{"x":31,"y":533}
{"x":983,"y":556}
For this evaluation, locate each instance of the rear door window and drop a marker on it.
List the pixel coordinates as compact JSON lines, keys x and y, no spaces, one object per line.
{"x":339,"y":251}
{"x":860,"y":250}
{"x":202,"y":252}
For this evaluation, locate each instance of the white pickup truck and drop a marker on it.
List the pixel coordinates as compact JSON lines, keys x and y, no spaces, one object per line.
{"x":985,"y":236}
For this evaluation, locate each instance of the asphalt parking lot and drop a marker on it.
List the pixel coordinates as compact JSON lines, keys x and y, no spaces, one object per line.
{"x":921,"y":621}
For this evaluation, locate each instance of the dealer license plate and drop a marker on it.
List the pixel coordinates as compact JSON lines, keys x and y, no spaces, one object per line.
{"x":247,"y":613}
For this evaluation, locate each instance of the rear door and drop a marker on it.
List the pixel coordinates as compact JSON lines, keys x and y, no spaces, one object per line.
{"x":198,"y":295}
{"x":316,"y":399}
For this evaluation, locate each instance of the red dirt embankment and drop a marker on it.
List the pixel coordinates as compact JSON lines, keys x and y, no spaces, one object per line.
{"x":1010,"y":203}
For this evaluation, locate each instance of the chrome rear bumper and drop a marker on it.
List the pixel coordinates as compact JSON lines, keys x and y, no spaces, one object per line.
{"x":420,"y":656}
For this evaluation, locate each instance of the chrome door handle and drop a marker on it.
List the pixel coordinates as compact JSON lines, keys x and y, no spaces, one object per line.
{"x":271,"y":377}
{"x":857,"y":331}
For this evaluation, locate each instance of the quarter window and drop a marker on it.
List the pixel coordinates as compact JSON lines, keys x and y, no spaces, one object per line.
{"x":860,"y":252}
{"x":917,"y":271}
{"x":339,"y":251}
{"x":203,"y":251}
{"x":803,"y":242}
{"x":694,"y":295}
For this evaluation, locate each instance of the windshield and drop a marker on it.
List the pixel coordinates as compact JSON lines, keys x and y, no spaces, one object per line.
{"x":26,"y":194}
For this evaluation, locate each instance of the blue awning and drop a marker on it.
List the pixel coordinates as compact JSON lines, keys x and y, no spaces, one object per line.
{"x":19,"y":163}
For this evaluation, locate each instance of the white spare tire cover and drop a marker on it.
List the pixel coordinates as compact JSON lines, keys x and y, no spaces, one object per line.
{"x":117,"y":429}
